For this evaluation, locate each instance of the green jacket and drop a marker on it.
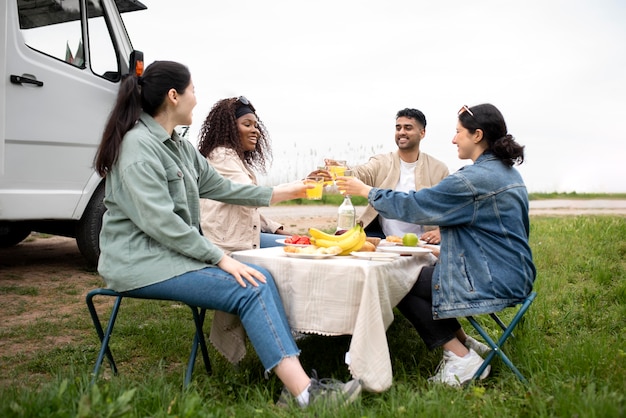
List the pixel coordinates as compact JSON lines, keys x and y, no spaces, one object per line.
{"x":151,"y":229}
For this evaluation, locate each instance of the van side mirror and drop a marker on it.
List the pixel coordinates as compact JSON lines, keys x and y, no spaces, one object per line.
{"x":136,"y":63}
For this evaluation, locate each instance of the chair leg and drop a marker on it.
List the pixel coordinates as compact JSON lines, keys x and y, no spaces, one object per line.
{"x":499,"y":322}
{"x":103,"y":336}
{"x":496,"y":348}
{"x":198,"y":339}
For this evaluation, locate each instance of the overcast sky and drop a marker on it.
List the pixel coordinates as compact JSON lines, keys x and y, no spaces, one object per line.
{"x":327,"y":77}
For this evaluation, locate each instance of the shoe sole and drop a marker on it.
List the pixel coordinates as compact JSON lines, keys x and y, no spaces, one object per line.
{"x":484,"y":375}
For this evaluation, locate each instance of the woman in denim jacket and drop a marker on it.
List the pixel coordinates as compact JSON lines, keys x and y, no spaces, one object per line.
{"x":485,"y":261}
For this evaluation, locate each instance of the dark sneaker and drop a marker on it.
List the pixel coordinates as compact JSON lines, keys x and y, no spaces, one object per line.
{"x":332,"y":392}
{"x":286,"y":399}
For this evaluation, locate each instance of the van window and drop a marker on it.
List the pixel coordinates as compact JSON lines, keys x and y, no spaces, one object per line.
{"x":54,"y":28}
{"x":103,"y":60}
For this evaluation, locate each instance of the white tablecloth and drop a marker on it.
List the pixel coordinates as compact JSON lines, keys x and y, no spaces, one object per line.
{"x":344,"y":296}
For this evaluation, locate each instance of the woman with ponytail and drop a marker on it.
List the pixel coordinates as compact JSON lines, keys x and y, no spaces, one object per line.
{"x":151,"y":242}
{"x":485,"y":261}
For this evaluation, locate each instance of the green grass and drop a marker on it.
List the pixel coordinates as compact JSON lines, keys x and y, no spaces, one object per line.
{"x":327,"y":199}
{"x":574,"y":195}
{"x":571,"y":346}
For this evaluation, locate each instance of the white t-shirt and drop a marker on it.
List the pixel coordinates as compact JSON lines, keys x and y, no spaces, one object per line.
{"x":405,"y":183}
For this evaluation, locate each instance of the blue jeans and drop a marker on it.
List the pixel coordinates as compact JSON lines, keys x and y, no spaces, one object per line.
{"x":259,"y":308}
{"x":269,"y":240}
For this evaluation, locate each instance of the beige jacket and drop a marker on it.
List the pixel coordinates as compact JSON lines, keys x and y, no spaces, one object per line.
{"x":383,"y":171}
{"x":233,"y":227}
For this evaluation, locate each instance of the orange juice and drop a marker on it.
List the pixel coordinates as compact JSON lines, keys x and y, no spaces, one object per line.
{"x":316,"y":192}
{"x":336,"y":170}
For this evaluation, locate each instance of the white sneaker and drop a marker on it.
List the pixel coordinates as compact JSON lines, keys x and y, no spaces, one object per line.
{"x":480,"y":348}
{"x":456,"y":371}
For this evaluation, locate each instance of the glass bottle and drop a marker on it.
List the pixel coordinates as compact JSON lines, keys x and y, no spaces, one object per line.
{"x":346,"y":215}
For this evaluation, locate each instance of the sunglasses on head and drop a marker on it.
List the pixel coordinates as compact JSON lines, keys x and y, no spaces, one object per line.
{"x":465,"y":108}
{"x":243,"y":100}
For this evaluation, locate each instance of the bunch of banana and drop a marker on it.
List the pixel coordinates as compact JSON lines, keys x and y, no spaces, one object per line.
{"x":351,"y":240}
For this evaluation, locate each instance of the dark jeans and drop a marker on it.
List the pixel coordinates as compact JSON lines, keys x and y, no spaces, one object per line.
{"x":417,"y":308}
{"x":374,"y":229}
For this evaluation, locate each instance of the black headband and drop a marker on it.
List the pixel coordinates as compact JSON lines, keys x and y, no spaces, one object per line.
{"x":243,"y":110}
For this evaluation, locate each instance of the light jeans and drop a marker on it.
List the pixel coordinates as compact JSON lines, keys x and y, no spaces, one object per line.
{"x":269,"y":240}
{"x":259,"y":308}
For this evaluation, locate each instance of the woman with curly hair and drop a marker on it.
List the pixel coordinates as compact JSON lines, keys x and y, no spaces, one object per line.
{"x":151,"y":244}
{"x":236,"y":144}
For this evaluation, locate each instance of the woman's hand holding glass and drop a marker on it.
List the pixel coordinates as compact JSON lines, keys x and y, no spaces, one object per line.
{"x":346,"y":173}
{"x":352,"y":186}
{"x":315,"y":188}
{"x":288,"y":191}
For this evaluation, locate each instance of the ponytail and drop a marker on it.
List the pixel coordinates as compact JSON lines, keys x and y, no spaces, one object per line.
{"x":122,"y":118}
{"x":508,"y":151}
{"x":146,"y":93}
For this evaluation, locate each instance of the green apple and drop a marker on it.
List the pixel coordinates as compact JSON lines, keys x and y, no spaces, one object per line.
{"x":410,"y":240}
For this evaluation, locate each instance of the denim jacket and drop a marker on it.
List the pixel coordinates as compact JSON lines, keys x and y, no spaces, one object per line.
{"x":485,"y":263}
{"x":383,"y":170}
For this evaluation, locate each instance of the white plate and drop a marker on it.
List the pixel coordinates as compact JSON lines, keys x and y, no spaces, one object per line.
{"x":282,"y":241}
{"x":370,"y":255}
{"x":309,"y":256}
{"x":385,"y":243}
{"x":405,"y":250}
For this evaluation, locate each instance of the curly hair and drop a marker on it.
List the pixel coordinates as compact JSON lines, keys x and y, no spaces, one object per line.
{"x":219,"y":129}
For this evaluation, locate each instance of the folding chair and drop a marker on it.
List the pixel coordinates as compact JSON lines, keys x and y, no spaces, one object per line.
{"x":496,"y":348}
{"x":105,"y":336}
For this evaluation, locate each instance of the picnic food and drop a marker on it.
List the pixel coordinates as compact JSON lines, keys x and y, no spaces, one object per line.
{"x":368,"y":247}
{"x":351,"y":240}
{"x":394,"y":238}
{"x":298,"y":239}
{"x":410,"y":240}
{"x":317,"y":234}
{"x":312,"y":249}
{"x":373,"y":240}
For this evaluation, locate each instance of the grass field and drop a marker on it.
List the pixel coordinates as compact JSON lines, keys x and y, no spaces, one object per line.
{"x":571,"y":346}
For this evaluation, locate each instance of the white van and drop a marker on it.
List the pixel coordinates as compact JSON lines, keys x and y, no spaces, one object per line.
{"x":61,"y":63}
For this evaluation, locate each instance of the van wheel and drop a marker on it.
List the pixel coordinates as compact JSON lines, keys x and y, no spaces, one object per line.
{"x":12,"y":234}
{"x":88,"y":232}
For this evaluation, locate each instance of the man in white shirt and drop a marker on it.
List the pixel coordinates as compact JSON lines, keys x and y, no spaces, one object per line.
{"x":405,"y":169}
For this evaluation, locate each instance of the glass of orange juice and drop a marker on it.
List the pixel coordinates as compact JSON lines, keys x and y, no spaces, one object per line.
{"x":336,"y":167}
{"x":346,"y":173}
{"x":317,"y":191}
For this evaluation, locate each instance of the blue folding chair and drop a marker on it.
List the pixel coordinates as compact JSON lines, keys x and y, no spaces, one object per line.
{"x":105,"y":336}
{"x":496,"y":348}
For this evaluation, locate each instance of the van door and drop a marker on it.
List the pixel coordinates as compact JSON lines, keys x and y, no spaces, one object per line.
{"x":57,"y":100}
{"x":61,"y":64}
{"x":3,"y":59}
